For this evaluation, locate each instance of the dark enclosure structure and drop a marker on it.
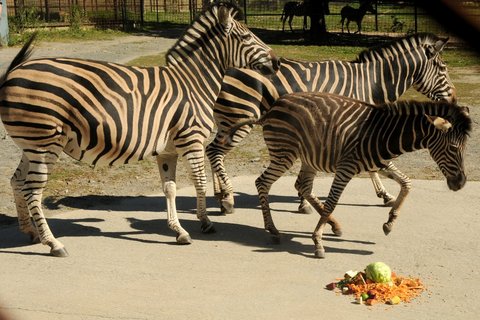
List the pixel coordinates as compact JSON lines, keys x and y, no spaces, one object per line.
{"x":391,"y":17}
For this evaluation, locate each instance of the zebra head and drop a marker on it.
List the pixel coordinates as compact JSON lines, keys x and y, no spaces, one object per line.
{"x":447,"y":147}
{"x":242,"y":49}
{"x":433,"y":79}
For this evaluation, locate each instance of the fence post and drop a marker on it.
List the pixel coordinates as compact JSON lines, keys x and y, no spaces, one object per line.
{"x":3,"y":23}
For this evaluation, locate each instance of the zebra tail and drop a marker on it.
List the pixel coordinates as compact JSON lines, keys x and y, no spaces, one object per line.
{"x":22,"y":56}
{"x":228,"y":137}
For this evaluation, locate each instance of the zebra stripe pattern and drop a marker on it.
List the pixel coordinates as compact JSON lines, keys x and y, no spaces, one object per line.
{"x":106,"y":114}
{"x":332,"y":133}
{"x":379,"y":74}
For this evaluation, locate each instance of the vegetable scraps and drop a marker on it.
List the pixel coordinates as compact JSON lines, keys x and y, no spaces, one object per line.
{"x":378,"y":285}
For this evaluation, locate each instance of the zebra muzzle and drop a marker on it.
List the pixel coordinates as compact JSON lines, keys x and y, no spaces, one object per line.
{"x":456,"y":182}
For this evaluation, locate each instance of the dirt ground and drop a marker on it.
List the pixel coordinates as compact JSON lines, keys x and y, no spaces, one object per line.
{"x":75,"y":179}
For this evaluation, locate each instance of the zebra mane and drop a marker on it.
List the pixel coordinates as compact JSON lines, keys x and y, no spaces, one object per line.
{"x":383,"y":50}
{"x":226,"y":3}
{"x":457,"y":115}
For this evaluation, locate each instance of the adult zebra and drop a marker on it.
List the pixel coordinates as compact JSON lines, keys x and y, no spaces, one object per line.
{"x":379,"y":74}
{"x":333,"y":133}
{"x":105,"y":114}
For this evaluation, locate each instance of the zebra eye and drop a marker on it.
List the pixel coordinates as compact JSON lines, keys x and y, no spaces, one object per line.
{"x":246,"y":37}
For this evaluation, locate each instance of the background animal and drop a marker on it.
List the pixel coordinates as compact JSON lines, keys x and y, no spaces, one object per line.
{"x":292,"y":9}
{"x":352,"y":14}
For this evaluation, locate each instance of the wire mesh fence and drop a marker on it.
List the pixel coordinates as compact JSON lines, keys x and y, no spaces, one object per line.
{"x":391,"y":16}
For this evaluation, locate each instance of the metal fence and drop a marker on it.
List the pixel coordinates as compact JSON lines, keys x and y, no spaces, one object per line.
{"x":393,"y":16}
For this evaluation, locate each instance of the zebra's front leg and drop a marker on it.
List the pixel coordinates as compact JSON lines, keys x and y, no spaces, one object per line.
{"x":167,"y":165}
{"x":196,"y":165}
{"x":24,"y":220}
{"x":388,"y":199}
{"x":304,"y":186}
{"x":405,"y":185}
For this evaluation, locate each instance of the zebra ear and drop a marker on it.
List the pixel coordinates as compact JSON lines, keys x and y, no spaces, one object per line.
{"x":439,"y":123}
{"x":225,"y":17}
{"x":435,"y":49}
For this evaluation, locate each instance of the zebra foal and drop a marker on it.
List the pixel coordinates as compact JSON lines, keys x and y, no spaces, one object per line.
{"x":336,"y":134}
{"x":106,"y":114}
{"x":378,"y":75}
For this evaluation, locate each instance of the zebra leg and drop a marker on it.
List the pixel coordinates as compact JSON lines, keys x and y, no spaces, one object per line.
{"x":405,"y":185}
{"x":216,"y":152}
{"x":290,"y":19}
{"x":39,"y":164}
{"x":196,"y":166}
{"x":304,"y":207}
{"x":325,"y":209}
{"x":304,"y":186}
{"x":167,"y":165}
{"x":24,"y":220}
{"x":279,"y":164}
{"x":388,"y":199}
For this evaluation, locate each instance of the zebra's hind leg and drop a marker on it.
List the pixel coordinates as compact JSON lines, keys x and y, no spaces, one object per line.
{"x":24,"y":220}
{"x":39,"y":165}
{"x":167,"y":165}
{"x":405,"y":185}
{"x":388,"y":199}
{"x":304,"y":186}
{"x":216,"y":152}
{"x":279,"y":164}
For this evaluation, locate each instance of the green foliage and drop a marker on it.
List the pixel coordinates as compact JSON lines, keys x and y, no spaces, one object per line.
{"x":27,"y":17}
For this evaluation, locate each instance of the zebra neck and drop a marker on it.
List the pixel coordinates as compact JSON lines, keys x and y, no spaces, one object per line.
{"x":400,"y":130}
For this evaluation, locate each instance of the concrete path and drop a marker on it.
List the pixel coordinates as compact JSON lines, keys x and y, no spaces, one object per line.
{"x":124,"y":263}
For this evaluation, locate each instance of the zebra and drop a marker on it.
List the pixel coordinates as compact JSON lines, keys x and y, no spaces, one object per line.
{"x":292,"y":9}
{"x":341,"y":135}
{"x":104,"y":113}
{"x":379,"y":74}
{"x":352,"y":14}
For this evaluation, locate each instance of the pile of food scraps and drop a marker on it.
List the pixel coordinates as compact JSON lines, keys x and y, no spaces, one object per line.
{"x":378,"y":284}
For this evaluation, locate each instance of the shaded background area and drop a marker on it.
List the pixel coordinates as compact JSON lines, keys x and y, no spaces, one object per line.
{"x":391,"y":17}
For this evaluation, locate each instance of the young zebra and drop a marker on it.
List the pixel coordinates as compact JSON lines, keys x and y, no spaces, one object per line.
{"x":332,"y":133}
{"x":106,"y":114}
{"x":379,"y":74}
{"x":352,"y":14}
{"x":292,"y":9}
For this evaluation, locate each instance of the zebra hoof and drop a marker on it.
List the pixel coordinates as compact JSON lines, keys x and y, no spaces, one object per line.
{"x":320,"y":253}
{"x":305,"y":209}
{"x":388,"y":200}
{"x":275,"y":239}
{"x":184,"y":239}
{"x":59,"y":252}
{"x":337,"y":232}
{"x":208,"y":228}
{"x":387,"y":228}
{"x":227,"y":209}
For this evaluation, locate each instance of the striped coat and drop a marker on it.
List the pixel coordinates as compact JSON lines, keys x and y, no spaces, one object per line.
{"x":332,"y":133}
{"x":105,"y":114}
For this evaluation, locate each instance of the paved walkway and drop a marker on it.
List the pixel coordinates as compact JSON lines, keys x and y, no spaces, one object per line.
{"x":124,"y":263}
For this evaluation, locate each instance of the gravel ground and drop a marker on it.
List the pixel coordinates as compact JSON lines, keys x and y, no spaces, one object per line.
{"x":73,"y":180}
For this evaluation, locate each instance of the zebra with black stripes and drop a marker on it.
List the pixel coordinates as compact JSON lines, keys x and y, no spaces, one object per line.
{"x":107,"y":114}
{"x":337,"y":134}
{"x":379,"y":74}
